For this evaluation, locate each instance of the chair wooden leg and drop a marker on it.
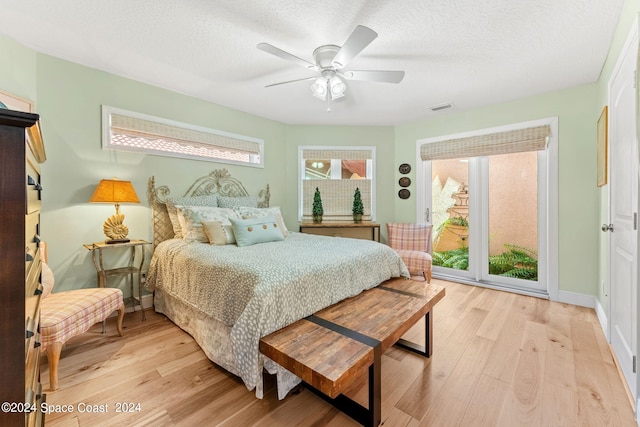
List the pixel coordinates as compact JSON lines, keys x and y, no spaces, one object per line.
{"x":53,"y":356}
{"x":427,"y":275}
{"x":120,"y":317}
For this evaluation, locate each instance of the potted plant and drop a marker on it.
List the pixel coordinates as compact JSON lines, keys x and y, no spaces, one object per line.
{"x":451,"y":234}
{"x":358,"y":208}
{"x":317,"y":210}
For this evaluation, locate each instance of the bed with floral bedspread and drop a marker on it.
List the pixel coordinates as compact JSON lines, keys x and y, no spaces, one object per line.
{"x":251,"y":291}
{"x":227,"y":296}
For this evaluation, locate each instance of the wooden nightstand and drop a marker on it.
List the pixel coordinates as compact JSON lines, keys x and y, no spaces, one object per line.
{"x":130,"y":270}
{"x":366,"y":230}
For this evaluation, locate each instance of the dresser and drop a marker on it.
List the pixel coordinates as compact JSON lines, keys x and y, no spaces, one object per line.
{"x":361,"y":230}
{"x":21,"y":153}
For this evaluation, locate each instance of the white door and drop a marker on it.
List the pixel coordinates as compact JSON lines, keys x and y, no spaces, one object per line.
{"x":623,"y":156}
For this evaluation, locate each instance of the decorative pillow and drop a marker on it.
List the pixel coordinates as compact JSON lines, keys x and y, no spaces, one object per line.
{"x":47,"y":280}
{"x":191,"y":218}
{"x":256,"y":230}
{"x":217,"y":233}
{"x":210,"y":200}
{"x":236,"y":202}
{"x":246,"y":212}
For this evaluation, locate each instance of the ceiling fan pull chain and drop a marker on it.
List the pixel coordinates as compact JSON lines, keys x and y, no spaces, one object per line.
{"x":328,"y":98}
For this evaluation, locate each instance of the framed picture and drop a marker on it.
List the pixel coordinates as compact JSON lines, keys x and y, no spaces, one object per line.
{"x":602,"y":146}
{"x":13,"y":102}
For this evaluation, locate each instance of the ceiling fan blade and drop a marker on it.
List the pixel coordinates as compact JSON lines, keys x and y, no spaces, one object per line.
{"x":290,"y":81}
{"x":357,"y":41}
{"x":266,"y":47}
{"x":374,"y":76}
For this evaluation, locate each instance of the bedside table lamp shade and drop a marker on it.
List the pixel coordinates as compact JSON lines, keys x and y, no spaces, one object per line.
{"x":116,"y":192}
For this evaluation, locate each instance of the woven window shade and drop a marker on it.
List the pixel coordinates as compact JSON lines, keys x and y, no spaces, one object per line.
{"x":337,"y":198}
{"x":312,"y":154}
{"x":515,"y":141}
{"x":153,"y":131}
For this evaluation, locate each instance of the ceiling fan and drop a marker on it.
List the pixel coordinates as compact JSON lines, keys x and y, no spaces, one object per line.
{"x":330,"y":64}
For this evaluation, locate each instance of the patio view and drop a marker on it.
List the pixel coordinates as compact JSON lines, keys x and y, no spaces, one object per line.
{"x":508,"y":204}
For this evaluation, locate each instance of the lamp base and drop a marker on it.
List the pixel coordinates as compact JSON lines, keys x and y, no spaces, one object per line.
{"x":114,"y":241}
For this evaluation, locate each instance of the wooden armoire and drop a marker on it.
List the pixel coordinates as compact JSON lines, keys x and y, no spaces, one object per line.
{"x":21,"y":153}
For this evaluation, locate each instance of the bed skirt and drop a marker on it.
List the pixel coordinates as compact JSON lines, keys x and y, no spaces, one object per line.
{"x":213,"y":338}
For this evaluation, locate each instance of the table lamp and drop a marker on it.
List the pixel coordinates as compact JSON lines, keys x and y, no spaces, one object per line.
{"x":116,"y":192}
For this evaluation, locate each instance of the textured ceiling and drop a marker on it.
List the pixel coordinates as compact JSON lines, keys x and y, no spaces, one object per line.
{"x":468,"y":52}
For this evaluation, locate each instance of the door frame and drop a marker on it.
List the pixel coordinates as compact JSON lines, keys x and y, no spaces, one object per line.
{"x":552,"y":203}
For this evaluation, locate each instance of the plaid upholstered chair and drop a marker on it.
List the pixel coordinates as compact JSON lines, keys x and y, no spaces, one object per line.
{"x":63,"y":315}
{"x":413,"y":244}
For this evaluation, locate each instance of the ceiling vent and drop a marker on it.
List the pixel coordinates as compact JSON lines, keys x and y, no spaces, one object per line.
{"x":441,"y":106}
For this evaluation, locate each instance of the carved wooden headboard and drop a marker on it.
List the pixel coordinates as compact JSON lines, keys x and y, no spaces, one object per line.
{"x":218,"y":181}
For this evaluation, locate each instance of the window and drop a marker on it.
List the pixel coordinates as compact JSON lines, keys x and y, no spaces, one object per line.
{"x":135,"y":132}
{"x":336,"y":172}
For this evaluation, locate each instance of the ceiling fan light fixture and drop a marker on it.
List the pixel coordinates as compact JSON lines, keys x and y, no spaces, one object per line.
{"x":337,"y":87}
{"x":319,"y":87}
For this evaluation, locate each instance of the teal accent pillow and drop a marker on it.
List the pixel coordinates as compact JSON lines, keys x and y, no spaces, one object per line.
{"x":256,"y":230}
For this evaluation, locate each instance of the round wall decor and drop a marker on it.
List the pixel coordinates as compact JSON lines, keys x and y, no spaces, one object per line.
{"x":404,"y":193}
{"x":405,"y":168}
{"x":404,"y":181}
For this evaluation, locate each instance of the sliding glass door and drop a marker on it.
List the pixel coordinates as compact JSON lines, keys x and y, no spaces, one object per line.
{"x":488,"y":217}
{"x":514,"y":225}
{"x":452,"y":233}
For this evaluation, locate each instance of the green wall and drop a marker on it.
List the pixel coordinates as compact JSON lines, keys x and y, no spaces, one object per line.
{"x":578,"y":197}
{"x":17,"y":69}
{"x":69,"y":96}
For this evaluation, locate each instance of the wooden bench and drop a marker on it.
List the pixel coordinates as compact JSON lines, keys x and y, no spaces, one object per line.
{"x":334,"y":347}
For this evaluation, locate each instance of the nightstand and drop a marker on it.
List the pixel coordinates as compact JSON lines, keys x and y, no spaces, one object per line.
{"x":356,"y":230}
{"x":130,"y":270}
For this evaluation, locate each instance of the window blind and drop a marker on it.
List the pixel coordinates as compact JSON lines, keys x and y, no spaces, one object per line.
{"x":313,"y":154}
{"x":515,"y":141}
{"x":141,"y":130}
{"x":337,"y":198}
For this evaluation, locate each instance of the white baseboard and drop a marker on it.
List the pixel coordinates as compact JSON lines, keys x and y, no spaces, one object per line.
{"x":577,"y":299}
{"x":602,"y":317}
{"x":147,"y":302}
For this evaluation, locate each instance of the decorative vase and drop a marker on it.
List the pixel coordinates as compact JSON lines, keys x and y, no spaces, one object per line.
{"x":357,"y":218}
{"x":317,"y":219}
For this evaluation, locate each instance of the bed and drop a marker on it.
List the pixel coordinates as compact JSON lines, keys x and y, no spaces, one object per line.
{"x":228,"y":296}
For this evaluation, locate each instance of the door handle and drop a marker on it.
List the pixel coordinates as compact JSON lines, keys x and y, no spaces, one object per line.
{"x":607,"y":227}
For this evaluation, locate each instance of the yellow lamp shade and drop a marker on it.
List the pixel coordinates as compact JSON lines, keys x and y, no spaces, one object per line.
{"x":116,"y":192}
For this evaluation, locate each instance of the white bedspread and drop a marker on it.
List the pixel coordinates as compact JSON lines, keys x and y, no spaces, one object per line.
{"x":261,"y":288}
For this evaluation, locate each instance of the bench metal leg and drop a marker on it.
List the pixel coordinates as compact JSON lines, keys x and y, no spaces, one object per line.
{"x":371,"y":416}
{"x":425,"y":350}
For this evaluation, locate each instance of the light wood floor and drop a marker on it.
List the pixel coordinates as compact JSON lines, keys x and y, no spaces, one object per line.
{"x":499,"y":359}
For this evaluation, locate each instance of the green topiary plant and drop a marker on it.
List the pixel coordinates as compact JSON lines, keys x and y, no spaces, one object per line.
{"x":317,"y":210}
{"x":358,"y":207}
